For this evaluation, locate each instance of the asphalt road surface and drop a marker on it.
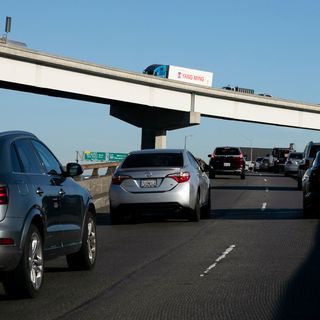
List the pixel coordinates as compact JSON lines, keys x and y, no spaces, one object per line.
{"x":255,"y":257}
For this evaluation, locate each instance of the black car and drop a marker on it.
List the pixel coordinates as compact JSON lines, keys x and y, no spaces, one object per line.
{"x":311,"y":189}
{"x":227,"y":161}
{"x":44,"y":213}
{"x":309,"y":154}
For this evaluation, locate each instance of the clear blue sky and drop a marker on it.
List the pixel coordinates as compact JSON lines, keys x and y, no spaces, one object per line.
{"x":271,"y":46}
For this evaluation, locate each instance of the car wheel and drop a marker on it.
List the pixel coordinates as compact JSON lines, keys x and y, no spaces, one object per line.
{"x":299,"y":183}
{"x":26,"y":280}
{"x":307,"y":210}
{"x":211,"y":175}
{"x":116,"y":216}
{"x":196,"y":212}
{"x":242,"y":176}
{"x":86,"y":257}
{"x":206,"y":209}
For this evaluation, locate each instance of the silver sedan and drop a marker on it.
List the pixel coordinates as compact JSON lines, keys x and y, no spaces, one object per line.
{"x":157,"y":181}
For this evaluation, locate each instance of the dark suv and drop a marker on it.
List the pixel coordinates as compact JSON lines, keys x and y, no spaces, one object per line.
{"x":308,"y":156}
{"x":227,"y":160}
{"x":44,"y":213}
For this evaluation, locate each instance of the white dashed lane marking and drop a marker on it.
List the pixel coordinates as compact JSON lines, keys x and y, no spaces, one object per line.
{"x":224,"y":254}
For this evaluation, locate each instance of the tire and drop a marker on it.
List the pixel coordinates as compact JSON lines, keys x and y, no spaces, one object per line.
{"x":206,"y":209}
{"x":242,"y":176}
{"x":26,"y":280}
{"x":211,"y":175}
{"x":116,"y":216}
{"x":196,"y":212}
{"x":308,"y":211}
{"x":85,"y":258}
{"x":299,"y":183}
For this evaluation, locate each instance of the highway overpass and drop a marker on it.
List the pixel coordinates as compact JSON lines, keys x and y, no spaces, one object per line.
{"x":153,"y":104}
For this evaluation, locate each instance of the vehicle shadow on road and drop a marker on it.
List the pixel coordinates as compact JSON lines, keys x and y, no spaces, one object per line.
{"x":257,"y":188}
{"x":301,"y":298}
{"x":256,"y":214}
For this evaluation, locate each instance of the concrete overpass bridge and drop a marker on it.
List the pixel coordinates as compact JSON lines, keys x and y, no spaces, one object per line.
{"x":153,"y":104}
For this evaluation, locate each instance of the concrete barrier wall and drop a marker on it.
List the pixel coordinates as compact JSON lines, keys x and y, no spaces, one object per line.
{"x":99,"y":188}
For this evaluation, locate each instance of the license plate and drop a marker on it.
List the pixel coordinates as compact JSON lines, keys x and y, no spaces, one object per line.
{"x":226,"y":164}
{"x":148,"y":183}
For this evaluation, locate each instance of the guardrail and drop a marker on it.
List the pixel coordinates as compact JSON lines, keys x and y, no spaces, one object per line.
{"x":111,"y":166}
{"x":98,"y":184}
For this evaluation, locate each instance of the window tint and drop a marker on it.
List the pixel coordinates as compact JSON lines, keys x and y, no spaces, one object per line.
{"x":15,"y":163}
{"x":153,"y":160}
{"x":227,"y":151}
{"x":30,"y":162}
{"x":48,"y":160}
{"x":295,"y":155}
{"x":314,"y":149}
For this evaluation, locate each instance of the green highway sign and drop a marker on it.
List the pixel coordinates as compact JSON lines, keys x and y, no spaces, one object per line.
{"x":95,"y":156}
{"x":116,"y":157}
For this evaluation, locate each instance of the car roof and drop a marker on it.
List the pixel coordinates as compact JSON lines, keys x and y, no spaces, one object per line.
{"x":14,"y":133}
{"x":157,"y":151}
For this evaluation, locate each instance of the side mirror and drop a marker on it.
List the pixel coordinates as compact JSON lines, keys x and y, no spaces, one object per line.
{"x":73,"y":169}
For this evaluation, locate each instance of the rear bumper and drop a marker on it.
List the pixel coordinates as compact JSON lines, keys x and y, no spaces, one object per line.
{"x":171,"y":200}
{"x":227,"y":171}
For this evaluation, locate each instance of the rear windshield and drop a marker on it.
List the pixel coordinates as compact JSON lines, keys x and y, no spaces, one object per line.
{"x":227,"y":151}
{"x":314,"y":149}
{"x":295,"y":155}
{"x":153,"y":160}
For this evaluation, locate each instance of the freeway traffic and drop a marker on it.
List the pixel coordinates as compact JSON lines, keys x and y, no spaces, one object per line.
{"x":254,"y":257}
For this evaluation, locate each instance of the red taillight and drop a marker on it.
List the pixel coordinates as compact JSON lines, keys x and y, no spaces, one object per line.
{"x":3,"y":195}
{"x":6,"y":242}
{"x":118,"y":179}
{"x":180,"y":177}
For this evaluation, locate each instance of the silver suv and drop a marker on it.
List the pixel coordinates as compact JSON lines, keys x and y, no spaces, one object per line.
{"x":308,"y":156}
{"x":44,"y":213}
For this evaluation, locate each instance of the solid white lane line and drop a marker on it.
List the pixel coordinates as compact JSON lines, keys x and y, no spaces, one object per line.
{"x":224,"y":254}
{"x":264,"y":206}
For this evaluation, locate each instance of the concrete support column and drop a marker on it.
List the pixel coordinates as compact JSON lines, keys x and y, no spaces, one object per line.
{"x":151,"y":139}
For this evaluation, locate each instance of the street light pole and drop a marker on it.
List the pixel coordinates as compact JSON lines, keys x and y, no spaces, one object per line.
{"x":185,"y":140}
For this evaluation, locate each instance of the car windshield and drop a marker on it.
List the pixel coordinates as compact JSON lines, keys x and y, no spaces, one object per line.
{"x":227,"y":151}
{"x":153,"y":160}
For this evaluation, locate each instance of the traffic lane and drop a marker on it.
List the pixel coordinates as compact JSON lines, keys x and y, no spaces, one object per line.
{"x":123,"y":251}
{"x":230,"y":270}
{"x":258,"y":196}
{"x":145,"y":250}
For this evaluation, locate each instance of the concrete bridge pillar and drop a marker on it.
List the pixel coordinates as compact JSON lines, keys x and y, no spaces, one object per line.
{"x":151,"y":139}
{"x":154,"y":121}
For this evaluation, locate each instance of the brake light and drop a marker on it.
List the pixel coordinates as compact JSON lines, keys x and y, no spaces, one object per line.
{"x":119,"y":179}
{"x":180,"y":177}
{"x":6,"y":242}
{"x":3,"y":195}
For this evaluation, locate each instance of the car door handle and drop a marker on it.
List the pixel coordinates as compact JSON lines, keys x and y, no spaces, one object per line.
{"x":39,"y":191}
{"x":61,"y":192}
